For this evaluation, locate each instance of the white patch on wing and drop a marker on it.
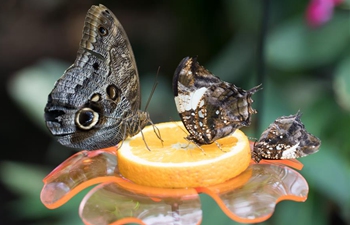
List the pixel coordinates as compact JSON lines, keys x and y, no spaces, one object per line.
{"x":190,"y":101}
{"x":200,"y":114}
{"x":196,"y":97}
{"x":290,"y":153}
{"x":178,"y":104}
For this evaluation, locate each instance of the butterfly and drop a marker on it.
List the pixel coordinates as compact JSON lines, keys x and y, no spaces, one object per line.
{"x":209,"y":108}
{"x":96,"y":103}
{"x":285,"y":138}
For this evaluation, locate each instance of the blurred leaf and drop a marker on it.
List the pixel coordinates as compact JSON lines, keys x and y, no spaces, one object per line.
{"x":243,"y":15}
{"x":212,"y":214}
{"x":345,"y":4}
{"x":313,"y":211}
{"x":26,"y":180}
{"x":31,"y":86}
{"x":66,"y":214}
{"x":23,"y":179}
{"x":35,"y":211}
{"x":319,"y":119}
{"x":311,"y":106}
{"x":231,"y":62}
{"x":304,"y":92}
{"x":294,"y":46}
{"x":341,"y":84}
{"x":71,"y":218}
{"x":327,"y":172}
{"x":274,"y":105}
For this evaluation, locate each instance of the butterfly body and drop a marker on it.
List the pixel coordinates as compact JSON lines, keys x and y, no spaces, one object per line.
{"x":209,"y":107}
{"x":286,"y":138}
{"x":96,"y":103}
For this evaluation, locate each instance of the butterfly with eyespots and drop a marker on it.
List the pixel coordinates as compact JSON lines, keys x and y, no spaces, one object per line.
{"x":96,"y":103}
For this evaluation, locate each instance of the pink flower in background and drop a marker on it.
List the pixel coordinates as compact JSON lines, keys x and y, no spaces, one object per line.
{"x":320,"y":11}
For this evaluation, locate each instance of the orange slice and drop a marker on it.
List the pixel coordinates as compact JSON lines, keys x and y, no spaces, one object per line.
{"x":178,"y":163}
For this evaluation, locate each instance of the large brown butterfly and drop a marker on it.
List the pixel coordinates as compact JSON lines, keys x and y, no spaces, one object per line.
{"x":96,"y":103}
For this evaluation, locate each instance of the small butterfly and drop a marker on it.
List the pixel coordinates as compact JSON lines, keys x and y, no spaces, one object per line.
{"x":286,"y":138}
{"x":209,"y":108}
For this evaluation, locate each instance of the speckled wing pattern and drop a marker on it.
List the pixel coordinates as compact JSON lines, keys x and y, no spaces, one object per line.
{"x":285,"y":138}
{"x":96,"y":103}
{"x":209,"y":108}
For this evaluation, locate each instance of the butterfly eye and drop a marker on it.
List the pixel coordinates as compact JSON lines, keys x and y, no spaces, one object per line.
{"x":86,"y":118}
{"x":103,"y":31}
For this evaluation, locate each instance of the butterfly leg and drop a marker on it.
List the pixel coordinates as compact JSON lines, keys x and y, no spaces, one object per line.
{"x":157,"y":132}
{"x":219,"y":146}
{"x":144,"y":140}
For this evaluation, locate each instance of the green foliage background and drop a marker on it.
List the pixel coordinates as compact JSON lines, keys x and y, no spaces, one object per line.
{"x":306,"y":69}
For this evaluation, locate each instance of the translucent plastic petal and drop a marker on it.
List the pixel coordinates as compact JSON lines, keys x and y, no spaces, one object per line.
{"x":254,"y":201}
{"x":248,"y":198}
{"x":76,"y":173}
{"x":125,"y":202}
{"x":295,"y":164}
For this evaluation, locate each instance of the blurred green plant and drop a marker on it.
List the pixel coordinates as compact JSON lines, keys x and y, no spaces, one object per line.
{"x":308,"y":69}
{"x":27,"y":185}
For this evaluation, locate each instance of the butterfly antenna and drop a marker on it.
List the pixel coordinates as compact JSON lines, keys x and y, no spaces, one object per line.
{"x":252,"y":139}
{"x":122,"y":142}
{"x":155,"y":128}
{"x":155,"y":84}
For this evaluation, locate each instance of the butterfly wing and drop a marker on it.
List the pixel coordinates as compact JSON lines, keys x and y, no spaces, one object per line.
{"x":191,"y":94}
{"x":209,"y":107}
{"x":96,"y":99}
